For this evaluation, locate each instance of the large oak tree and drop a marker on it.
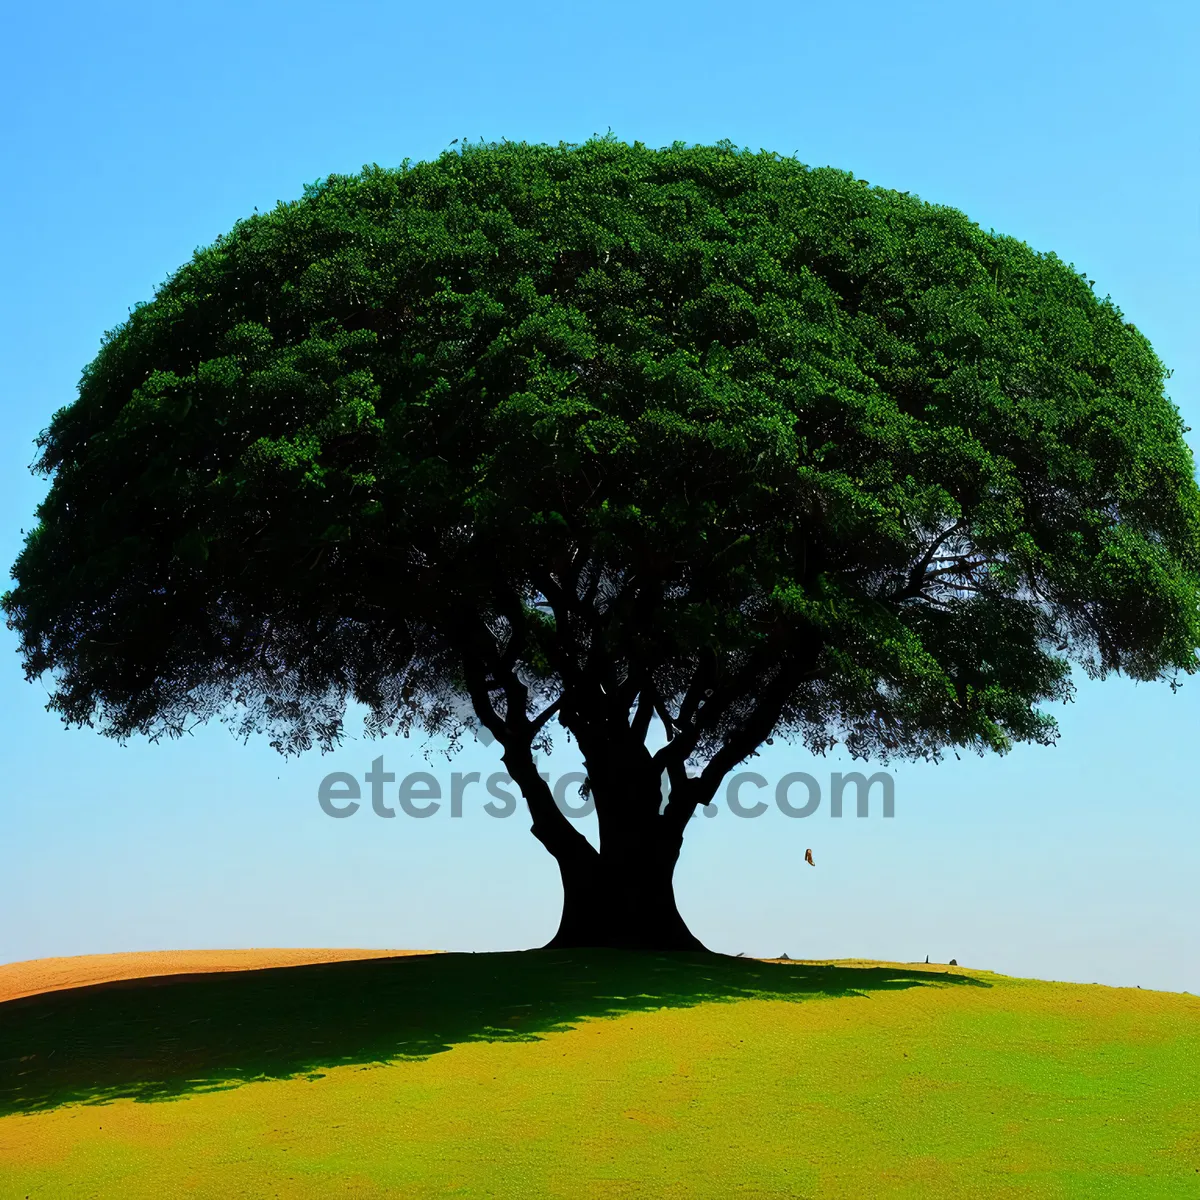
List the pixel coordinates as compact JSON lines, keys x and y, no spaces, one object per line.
{"x":611,"y":438}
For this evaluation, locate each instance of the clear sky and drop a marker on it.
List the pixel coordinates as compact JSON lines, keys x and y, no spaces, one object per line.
{"x":135,"y":133}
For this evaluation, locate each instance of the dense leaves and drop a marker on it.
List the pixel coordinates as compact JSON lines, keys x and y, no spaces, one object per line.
{"x":691,"y":434}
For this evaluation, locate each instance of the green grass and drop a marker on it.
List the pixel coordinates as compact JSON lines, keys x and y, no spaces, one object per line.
{"x":600,"y":1074}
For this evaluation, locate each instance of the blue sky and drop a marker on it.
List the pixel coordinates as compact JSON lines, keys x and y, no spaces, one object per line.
{"x":136,"y":133}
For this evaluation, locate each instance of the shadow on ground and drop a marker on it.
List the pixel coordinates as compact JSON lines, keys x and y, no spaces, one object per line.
{"x":156,"y":1039}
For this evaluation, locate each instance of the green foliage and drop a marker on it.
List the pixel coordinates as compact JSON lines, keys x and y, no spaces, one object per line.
{"x":760,"y":445}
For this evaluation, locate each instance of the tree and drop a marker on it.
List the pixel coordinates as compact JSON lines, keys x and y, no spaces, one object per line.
{"x":603,"y":437}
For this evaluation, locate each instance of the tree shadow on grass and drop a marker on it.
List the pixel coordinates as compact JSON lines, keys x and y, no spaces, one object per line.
{"x":161,"y":1038}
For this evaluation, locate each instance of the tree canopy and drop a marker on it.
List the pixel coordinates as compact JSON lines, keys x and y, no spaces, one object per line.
{"x":600,"y":435}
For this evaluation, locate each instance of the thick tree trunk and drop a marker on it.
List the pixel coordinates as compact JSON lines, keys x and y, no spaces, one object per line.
{"x":622,"y":895}
{"x":623,"y":900}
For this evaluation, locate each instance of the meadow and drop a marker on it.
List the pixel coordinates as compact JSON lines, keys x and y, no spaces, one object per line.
{"x":599,"y":1073}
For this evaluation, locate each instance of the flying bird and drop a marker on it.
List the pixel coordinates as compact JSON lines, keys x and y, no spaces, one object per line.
{"x":808,"y":858}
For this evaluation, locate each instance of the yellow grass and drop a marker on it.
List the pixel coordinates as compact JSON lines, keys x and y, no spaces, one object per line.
{"x":40,"y":975}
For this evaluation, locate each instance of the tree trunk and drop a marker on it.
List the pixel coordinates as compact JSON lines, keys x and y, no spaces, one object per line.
{"x":620,"y":896}
{"x":622,"y":899}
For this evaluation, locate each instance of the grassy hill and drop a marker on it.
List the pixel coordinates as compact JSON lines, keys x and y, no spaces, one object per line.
{"x":573,"y":1074}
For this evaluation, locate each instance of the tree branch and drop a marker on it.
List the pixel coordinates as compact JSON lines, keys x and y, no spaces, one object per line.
{"x":645,"y":710}
{"x":917,"y":574}
{"x":757,"y":728}
{"x":540,"y":720}
{"x":550,"y":824}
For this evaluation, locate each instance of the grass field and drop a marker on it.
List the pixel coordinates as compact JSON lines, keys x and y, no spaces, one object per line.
{"x":599,"y":1074}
